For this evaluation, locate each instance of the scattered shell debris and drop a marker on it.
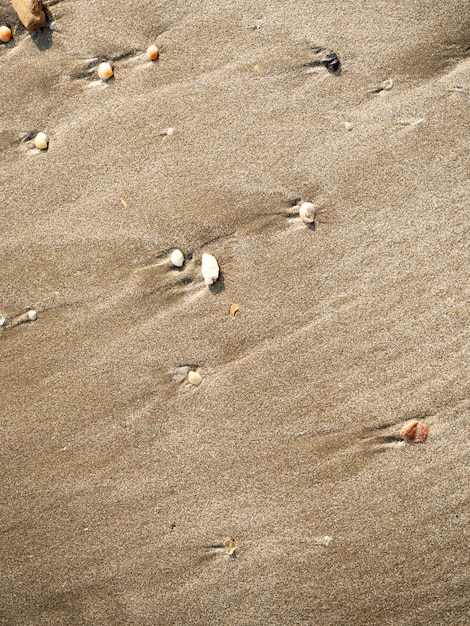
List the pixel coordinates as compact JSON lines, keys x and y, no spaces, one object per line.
{"x":194,"y":378}
{"x":5,"y":34}
{"x":234,"y":308}
{"x":307,"y":212}
{"x":41,"y":141}
{"x":387,"y":85}
{"x":153,"y":53}
{"x":105,"y":71}
{"x":323,"y":541}
{"x":414,"y":431}
{"x":177,"y":258}
{"x":210,"y":269}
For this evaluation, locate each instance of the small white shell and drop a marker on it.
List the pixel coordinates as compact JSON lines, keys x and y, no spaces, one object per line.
{"x":177,"y":258}
{"x":52,"y":26}
{"x":169,"y":132}
{"x":194,"y":378}
{"x":32,"y":315}
{"x":5,"y":34}
{"x":41,"y":141}
{"x":348,"y":125}
{"x":105,"y":71}
{"x":307,"y":212}
{"x":2,"y":320}
{"x":152,"y":53}
{"x":209,"y":269}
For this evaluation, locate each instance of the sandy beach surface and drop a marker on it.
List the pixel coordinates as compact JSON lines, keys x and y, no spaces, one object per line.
{"x":119,"y":478}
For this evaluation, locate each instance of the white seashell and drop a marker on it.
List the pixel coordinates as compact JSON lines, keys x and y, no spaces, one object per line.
{"x":152,"y":53}
{"x":169,"y":132}
{"x":32,"y":315}
{"x":2,"y":320}
{"x":209,"y":269}
{"x":52,"y":26}
{"x":348,"y":126}
{"x":177,"y":258}
{"x":105,"y":71}
{"x":41,"y":141}
{"x":5,"y":34}
{"x":388,"y":84}
{"x":194,"y":378}
{"x":307,"y":212}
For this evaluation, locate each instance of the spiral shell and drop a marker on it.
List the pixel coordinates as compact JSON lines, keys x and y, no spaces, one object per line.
{"x":307,"y":212}
{"x":105,"y":71}
{"x":5,"y":34}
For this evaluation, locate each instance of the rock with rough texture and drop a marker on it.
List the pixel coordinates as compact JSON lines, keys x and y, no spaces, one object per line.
{"x":31,"y":13}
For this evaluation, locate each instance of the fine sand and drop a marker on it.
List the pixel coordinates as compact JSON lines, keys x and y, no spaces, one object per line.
{"x":117,"y":475}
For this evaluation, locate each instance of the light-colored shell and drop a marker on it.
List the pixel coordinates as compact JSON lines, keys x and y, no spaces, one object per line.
{"x":177,"y":258}
{"x":169,"y":132}
{"x":307,"y":212}
{"x":5,"y":34}
{"x":105,"y":71}
{"x":152,"y":53}
{"x":348,"y":126}
{"x":2,"y":320}
{"x":194,"y":378}
{"x":41,"y":141}
{"x":414,"y":431}
{"x":209,"y":269}
{"x":234,"y":308}
{"x":32,"y":315}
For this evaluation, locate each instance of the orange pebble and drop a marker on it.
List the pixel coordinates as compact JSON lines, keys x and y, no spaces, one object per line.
{"x":414,"y":431}
{"x":152,"y":53}
{"x":5,"y":34}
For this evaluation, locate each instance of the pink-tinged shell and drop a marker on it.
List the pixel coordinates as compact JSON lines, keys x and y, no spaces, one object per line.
{"x":307,"y":212}
{"x":414,"y":431}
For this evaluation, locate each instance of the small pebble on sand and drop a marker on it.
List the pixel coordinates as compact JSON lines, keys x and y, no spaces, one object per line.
{"x":105,"y":71}
{"x":194,"y":378}
{"x":177,"y":258}
{"x":152,"y":53}
{"x":41,"y":141}
{"x":5,"y":34}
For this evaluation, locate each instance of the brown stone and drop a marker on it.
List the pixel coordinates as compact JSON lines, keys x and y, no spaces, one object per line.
{"x":30,"y":13}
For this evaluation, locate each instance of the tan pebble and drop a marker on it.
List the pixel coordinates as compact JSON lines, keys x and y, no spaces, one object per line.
{"x":105,"y":71}
{"x":31,"y":13}
{"x":194,"y":378}
{"x":41,"y":141}
{"x":153,"y":53}
{"x":5,"y":34}
{"x":234,"y":308}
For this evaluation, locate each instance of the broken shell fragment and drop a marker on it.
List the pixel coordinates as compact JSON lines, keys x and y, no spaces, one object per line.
{"x":105,"y":71}
{"x":230,"y":546}
{"x":41,"y":141}
{"x":2,"y":320}
{"x":234,"y":308}
{"x":415,"y":431}
{"x":331,"y":62}
{"x":307,"y":212}
{"x":194,"y":378}
{"x":324,"y":541}
{"x":177,"y":258}
{"x":152,"y":53}
{"x":5,"y":34}
{"x":209,"y":269}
